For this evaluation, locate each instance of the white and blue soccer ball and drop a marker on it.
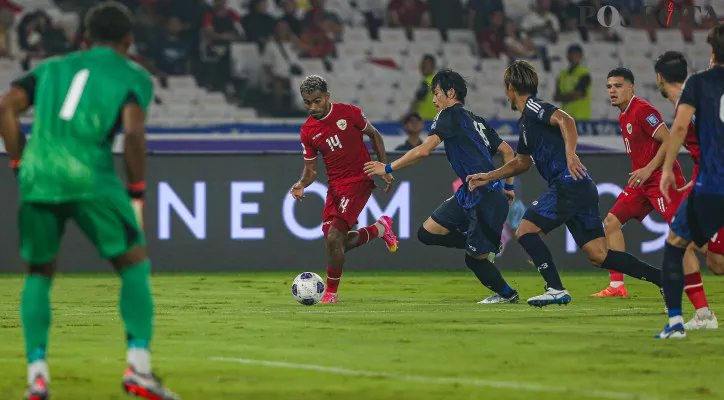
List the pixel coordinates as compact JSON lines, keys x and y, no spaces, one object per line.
{"x":308,"y":288}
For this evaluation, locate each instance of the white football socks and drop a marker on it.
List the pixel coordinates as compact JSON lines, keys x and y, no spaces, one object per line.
{"x":140,"y":360}
{"x":36,"y":368}
{"x":380,"y":229}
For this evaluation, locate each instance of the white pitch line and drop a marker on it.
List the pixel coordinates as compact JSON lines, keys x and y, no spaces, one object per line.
{"x":527,"y":387}
{"x":323,"y":311}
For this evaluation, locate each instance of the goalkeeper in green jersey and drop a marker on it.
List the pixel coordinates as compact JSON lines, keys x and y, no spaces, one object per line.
{"x":66,"y":172}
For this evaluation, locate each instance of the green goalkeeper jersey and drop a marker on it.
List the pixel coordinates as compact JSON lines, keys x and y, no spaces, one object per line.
{"x":78,"y":100}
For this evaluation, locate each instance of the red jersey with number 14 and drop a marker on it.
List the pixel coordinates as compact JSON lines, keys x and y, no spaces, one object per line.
{"x":339,"y":138}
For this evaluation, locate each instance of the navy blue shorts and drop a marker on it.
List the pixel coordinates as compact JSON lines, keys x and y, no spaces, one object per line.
{"x":699,"y":217}
{"x":572,"y":203}
{"x":482,"y":224}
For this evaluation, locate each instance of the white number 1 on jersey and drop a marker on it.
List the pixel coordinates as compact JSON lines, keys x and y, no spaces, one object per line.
{"x":67,"y":111}
{"x":334,"y":142}
{"x":481,"y":131}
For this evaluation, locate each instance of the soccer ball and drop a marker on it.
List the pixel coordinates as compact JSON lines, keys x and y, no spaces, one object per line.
{"x":308,"y":288}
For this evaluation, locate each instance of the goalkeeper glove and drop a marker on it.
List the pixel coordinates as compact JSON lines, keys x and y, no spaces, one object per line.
{"x":137,"y":191}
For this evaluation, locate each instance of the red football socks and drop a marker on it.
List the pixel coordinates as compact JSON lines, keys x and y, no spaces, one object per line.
{"x":694,"y":289}
{"x":616,"y":276}
{"x":333,"y":277}
{"x":367,"y":233}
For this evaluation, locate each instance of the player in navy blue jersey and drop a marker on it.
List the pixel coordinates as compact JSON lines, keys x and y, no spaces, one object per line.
{"x":548,"y":138}
{"x":472,"y":219}
{"x":700,"y":215}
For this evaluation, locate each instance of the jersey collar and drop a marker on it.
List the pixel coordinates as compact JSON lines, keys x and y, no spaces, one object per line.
{"x":331,"y":107}
{"x":629,"y":104}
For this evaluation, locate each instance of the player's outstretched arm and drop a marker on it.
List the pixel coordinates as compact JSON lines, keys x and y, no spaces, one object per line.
{"x":410,"y":158}
{"x":567,"y":125}
{"x":672,"y":145}
{"x":507,"y":154}
{"x":640,"y":176}
{"x":514,"y":167}
{"x":309,"y":174}
{"x":378,"y":145}
{"x":13,"y":103}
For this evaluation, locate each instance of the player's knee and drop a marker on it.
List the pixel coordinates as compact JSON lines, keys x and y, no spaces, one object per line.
{"x":715,"y":262}
{"x":46,"y":269}
{"x":334,"y":238}
{"x":132,"y":257}
{"x":611,"y":224}
{"x":676,"y":240}
{"x":597,"y":255}
{"x":425,"y":237}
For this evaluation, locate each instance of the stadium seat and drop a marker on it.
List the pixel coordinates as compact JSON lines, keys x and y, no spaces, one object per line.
{"x":356,"y":35}
{"x":388,"y":35}
{"x":431,"y":37}
{"x":460,"y":36}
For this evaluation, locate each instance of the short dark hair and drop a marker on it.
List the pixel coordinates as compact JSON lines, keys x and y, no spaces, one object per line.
{"x":411,"y":116}
{"x":449,"y":79}
{"x":672,"y":67}
{"x":108,"y":22}
{"x":429,"y":57}
{"x":313,"y":83}
{"x":575,"y":48}
{"x":622,"y":72}
{"x":716,"y":41}
{"x":522,"y":76}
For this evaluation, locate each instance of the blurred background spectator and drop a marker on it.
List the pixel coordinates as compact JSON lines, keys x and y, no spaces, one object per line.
{"x":573,"y":89}
{"x":225,"y":60}
{"x":413,"y":125}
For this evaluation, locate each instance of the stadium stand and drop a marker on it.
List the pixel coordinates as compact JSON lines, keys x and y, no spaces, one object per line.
{"x":372,"y":64}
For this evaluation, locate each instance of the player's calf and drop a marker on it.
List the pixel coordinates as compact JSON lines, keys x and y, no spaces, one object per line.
{"x":334,"y":241}
{"x":490,"y":277}
{"x":715,"y":262}
{"x":452,"y":239}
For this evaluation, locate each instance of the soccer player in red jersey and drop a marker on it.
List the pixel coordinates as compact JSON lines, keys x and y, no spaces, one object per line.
{"x":337,"y":130}
{"x":671,"y":73}
{"x":643,"y":130}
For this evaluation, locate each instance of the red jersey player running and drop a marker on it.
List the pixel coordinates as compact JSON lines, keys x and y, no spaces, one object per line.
{"x":671,"y":72}
{"x":336,"y":131}
{"x":643,"y":130}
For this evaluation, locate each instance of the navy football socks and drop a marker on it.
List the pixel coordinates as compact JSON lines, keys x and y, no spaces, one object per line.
{"x":672,"y":275}
{"x":542,"y":258}
{"x":489,"y":275}
{"x":620,"y":261}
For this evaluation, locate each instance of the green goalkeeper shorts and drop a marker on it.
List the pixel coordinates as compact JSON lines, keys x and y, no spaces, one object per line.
{"x":108,"y":222}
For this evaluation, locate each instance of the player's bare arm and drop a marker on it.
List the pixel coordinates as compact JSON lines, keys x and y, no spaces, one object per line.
{"x":378,"y":145}
{"x":13,"y":103}
{"x":641,"y":175}
{"x":309,"y":174}
{"x":507,"y":154}
{"x":514,"y":167}
{"x":672,"y":144}
{"x":567,"y":125}
{"x":134,"y":122}
{"x":410,"y":158}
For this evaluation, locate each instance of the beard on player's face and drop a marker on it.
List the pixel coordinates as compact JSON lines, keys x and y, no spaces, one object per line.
{"x":663,"y":91}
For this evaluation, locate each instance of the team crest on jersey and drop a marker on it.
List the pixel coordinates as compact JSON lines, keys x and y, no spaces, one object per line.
{"x":342,"y":124}
{"x":629,"y":128}
{"x":652,"y":120}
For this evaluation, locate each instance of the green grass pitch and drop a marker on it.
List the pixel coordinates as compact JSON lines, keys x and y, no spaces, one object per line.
{"x":393,"y":336}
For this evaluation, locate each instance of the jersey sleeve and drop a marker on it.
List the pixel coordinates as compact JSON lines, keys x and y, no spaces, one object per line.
{"x":27,"y":82}
{"x":649,"y":119}
{"x":143,"y":91}
{"x":494,"y":139}
{"x":308,"y":151}
{"x":444,"y":124}
{"x":690,"y":92}
{"x":539,"y":111}
{"x":359,"y":120}
{"x":522,"y":142}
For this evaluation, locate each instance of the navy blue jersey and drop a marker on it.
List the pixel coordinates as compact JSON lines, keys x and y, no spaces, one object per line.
{"x":543,"y":141}
{"x":469,"y":144}
{"x":705,"y":92}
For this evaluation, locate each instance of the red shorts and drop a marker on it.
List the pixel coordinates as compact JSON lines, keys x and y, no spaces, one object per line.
{"x":638,"y":203}
{"x":716,"y":244}
{"x":344,"y":204}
